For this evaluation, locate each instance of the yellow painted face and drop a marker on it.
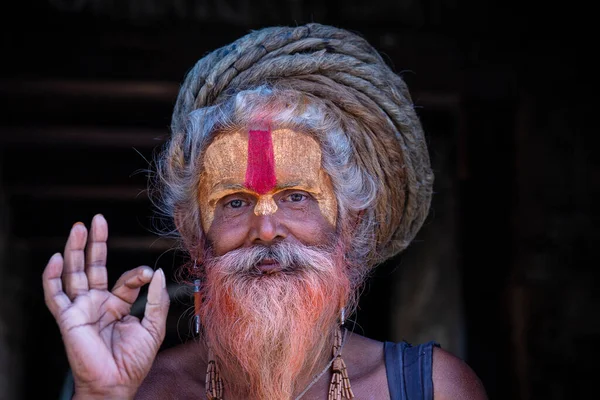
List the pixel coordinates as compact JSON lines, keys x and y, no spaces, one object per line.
{"x":263,"y":163}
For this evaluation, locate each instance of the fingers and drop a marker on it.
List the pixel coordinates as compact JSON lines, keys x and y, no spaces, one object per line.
{"x":95,"y":260}
{"x":74,"y":279}
{"x":56,"y":300}
{"x":157,"y":307}
{"x":128,"y":286}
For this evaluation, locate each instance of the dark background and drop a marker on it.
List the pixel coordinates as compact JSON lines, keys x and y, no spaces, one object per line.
{"x":505,"y":93}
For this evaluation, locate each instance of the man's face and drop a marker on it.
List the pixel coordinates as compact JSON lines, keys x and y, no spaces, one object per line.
{"x":260,"y":187}
{"x":275,"y":278}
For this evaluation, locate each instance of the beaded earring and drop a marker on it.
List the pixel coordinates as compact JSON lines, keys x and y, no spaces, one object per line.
{"x":339,"y":388}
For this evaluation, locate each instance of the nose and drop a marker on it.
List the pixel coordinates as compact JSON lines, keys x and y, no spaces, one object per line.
{"x":266,"y":230}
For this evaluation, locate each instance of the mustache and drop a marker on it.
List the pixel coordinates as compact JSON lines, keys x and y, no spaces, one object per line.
{"x":290,"y":257}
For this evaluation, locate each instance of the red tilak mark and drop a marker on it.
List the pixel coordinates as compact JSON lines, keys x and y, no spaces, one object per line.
{"x":260,"y":172}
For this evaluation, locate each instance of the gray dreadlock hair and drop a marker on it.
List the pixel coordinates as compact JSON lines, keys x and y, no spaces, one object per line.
{"x":332,"y":84}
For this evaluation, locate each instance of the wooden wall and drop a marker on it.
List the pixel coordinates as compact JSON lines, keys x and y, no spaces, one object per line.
{"x":501,"y":273}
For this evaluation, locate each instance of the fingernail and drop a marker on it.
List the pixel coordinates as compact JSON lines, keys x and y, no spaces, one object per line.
{"x":147,"y":273}
{"x":164,"y":279}
{"x":55,"y":256}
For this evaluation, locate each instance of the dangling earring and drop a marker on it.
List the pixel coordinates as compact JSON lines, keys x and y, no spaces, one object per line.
{"x":339,"y":388}
{"x":197,"y":301}
{"x":214,"y":382}
{"x":197,"y":304}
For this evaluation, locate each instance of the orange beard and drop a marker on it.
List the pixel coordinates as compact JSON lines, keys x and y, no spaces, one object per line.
{"x":265,"y":330}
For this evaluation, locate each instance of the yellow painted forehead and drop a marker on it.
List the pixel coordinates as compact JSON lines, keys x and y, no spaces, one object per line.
{"x":264,"y":164}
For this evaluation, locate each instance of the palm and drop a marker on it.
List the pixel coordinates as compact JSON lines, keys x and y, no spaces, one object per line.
{"x":108,"y":349}
{"x":113,"y":350}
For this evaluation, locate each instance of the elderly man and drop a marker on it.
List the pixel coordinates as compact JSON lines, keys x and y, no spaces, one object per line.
{"x":296,"y":164}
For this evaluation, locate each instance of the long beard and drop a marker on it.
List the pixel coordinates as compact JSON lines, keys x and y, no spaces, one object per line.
{"x":264,"y":329}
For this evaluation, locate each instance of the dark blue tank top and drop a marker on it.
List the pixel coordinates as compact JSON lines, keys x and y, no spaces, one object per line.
{"x":409,"y":370}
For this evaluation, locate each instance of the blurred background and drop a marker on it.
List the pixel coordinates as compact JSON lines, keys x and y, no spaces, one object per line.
{"x":502,"y":272}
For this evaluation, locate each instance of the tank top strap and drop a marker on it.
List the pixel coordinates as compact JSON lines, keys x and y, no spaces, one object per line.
{"x":410,"y":370}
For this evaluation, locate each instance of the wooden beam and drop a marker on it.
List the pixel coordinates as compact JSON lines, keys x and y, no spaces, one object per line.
{"x":78,"y":192}
{"x":142,"y":90}
{"x":82,"y":135}
{"x":437,"y":100}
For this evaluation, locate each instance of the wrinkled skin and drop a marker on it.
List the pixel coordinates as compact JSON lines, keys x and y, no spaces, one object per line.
{"x":110,"y":352}
{"x":113,"y":355}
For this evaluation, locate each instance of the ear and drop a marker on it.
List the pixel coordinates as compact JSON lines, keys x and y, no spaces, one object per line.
{"x":191,"y":235}
{"x":350,"y":224}
{"x":178,"y":219}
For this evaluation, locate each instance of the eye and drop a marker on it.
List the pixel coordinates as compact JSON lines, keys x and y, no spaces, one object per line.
{"x":236,"y":203}
{"x":295,"y":197}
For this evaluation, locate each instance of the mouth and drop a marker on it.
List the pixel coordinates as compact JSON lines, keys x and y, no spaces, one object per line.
{"x":269,"y":266}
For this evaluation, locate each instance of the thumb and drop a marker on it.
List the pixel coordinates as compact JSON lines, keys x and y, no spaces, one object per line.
{"x":157,"y":307}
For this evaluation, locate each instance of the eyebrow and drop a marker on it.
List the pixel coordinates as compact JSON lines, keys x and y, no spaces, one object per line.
{"x":228,"y":186}
{"x":238,"y":186}
{"x":281,"y":186}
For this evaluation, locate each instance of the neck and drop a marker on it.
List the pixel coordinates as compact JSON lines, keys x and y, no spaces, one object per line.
{"x":313,"y":376}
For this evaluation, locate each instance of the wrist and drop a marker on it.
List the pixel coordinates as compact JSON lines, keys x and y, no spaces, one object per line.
{"x":109,"y":394}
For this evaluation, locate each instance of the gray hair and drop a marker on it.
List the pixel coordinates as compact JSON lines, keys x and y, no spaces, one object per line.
{"x":329,"y":83}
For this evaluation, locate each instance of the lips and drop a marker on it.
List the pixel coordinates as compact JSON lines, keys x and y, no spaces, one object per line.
{"x":269,"y":266}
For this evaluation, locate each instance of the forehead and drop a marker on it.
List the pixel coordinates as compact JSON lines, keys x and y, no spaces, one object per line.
{"x":297,"y":157}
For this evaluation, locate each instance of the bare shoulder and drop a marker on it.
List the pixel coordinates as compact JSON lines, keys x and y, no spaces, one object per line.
{"x":365,"y":361}
{"x":454,"y":379}
{"x":175,"y":374}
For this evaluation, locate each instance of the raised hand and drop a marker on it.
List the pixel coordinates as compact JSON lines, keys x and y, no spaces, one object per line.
{"x":110,"y":352}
